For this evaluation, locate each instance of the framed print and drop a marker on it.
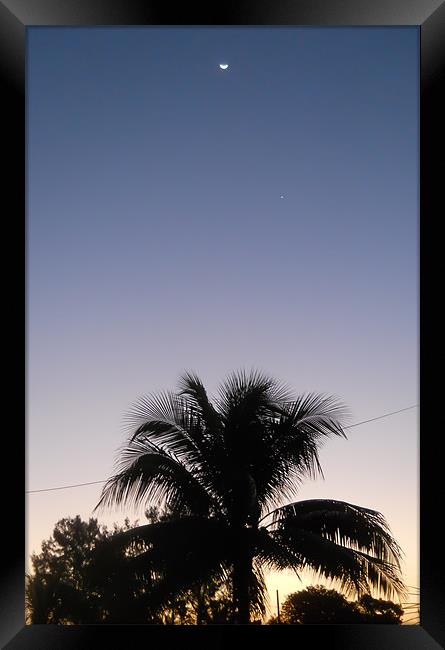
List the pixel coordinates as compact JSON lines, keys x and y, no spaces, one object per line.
{"x":249,"y":193}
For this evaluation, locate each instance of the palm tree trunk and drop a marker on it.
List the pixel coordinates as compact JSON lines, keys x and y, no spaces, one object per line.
{"x":242,"y":573}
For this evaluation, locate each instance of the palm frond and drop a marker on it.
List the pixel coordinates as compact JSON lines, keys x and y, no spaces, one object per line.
{"x":258,"y":594}
{"x":355,"y":572}
{"x":191,"y":386}
{"x":169,"y":421}
{"x":343,"y":523}
{"x":176,"y":425}
{"x":271,"y":553}
{"x":286,"y":451}
{"x":175,"y":554}
{"x":251,"y":390}
{"x":245,"y":400}
{"x":338,"y":540}
{"x":146,"y":474}
{"x":181,"y":554}
{"x":325,"y":413}
{"x":210,"y":421}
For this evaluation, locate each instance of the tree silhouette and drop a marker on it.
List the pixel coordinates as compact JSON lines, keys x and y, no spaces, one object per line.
{"x":318,"y":605}
{"x":74,"y":582}
{"x":71,"y":583}
{"x":230,"y":470}
{"x":55,"y":592}
{"x":377,"y":610}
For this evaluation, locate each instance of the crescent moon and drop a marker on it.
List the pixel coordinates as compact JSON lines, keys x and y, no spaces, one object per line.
{"x":223,"y":66}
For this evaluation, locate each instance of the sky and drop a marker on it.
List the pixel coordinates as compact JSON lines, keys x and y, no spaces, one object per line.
{"x":182,"y":217}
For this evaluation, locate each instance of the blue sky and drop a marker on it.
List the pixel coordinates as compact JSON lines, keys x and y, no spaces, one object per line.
{"x":158,"y":241}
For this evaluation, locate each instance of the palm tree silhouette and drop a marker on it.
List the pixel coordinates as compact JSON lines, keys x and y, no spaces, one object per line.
{"x":230,"y":470}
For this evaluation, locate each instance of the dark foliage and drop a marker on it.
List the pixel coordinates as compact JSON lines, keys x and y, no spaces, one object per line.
{"x":318,"y":605}
{"x":78,"y":579}
{"x":70,"y":582}
{"x":229,"y":470}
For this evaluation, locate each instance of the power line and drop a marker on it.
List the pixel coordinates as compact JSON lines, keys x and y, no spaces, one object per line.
{"x":64,"y":487}
{"x":385,"y":415}
{"x":67,"y":487}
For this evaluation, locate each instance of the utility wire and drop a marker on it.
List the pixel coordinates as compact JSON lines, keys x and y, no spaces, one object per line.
{"x":381,"y":416}
{"x":66,"y":487}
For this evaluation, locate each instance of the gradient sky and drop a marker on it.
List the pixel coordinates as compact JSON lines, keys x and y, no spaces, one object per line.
{"x":158,"y":242}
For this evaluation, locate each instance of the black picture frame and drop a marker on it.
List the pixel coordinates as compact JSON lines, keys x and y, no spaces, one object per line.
{"x":429,"y":15}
